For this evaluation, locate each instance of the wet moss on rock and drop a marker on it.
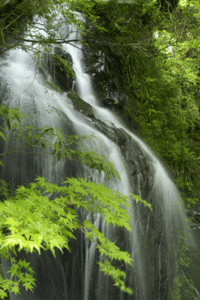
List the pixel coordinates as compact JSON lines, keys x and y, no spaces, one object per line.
{"x":80,"y":104}
{"x":64,"y":74}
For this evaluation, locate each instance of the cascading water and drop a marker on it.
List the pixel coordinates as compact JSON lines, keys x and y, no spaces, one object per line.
{"x":153,"y":242}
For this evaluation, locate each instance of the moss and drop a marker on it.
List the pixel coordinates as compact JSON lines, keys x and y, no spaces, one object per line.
{"x":80,"y":104}
{"x":63,"y":71}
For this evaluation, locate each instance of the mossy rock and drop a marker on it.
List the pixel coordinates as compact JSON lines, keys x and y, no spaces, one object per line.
{"x":64,"y":74}
{"x":59,"y":66}
{"x":80,"y":104}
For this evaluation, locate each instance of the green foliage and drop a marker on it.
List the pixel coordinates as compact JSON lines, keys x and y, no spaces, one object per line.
{"x":116,"y":274}
{"x":17,"y":269}
{"x":64,"y":66}
{"x":18,"y":23}
{"x":31,"y":222}
{"x":183,"y":288}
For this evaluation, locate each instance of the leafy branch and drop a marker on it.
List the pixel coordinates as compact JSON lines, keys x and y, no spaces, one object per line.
{"x":50,"y":224}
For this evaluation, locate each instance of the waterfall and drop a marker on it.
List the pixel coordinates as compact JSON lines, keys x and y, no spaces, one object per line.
{"x":154,"y":240}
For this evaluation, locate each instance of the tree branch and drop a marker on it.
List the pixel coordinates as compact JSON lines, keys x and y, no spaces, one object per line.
{"x":58,"y":41}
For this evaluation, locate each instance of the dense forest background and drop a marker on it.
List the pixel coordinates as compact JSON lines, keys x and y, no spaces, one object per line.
{"x":146,"y":53}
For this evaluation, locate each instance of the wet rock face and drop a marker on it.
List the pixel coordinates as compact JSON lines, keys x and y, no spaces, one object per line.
{"x":151,"y":231}
{"x":59,"y":66}
{"x":80,"y":105}
{"x":63,"y":54}
{"x":64,"y":75}
{"x":104,"y":69}
{"x":130,"y":150}
{"x":112,"y":104}
{"x":102,"y":84}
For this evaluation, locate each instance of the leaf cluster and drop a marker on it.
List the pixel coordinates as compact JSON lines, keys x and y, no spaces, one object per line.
{"x":30,"y":221}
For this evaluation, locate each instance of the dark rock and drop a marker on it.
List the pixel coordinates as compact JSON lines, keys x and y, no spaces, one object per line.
{"x":80,"y":104}
{"x":109,"y":102}
{"x":59,"y":66}
{"x":64,"y":74}
{"x":112,"y":104}
{"x":63,"y":54}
